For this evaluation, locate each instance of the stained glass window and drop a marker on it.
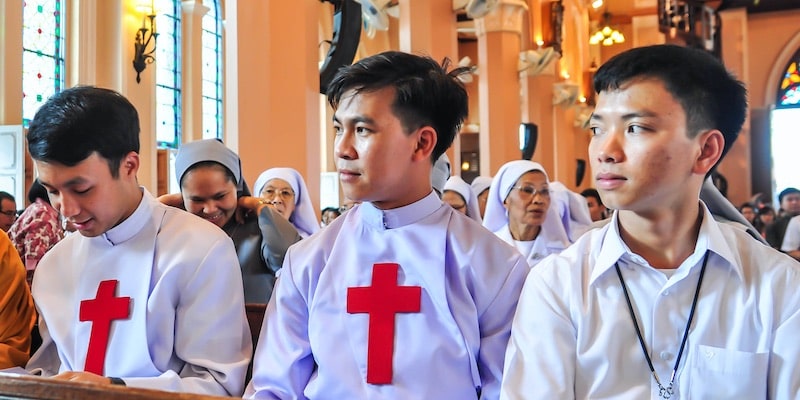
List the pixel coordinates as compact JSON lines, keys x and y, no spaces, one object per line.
{"x":42,"y":53}
{"x":168,"y":74}
{"x":212,"y":71}
{"x":789,"y":91}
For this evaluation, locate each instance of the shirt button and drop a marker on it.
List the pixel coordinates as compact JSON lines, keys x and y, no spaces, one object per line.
{"x":665,"y":293}
{"x":666,"y":356}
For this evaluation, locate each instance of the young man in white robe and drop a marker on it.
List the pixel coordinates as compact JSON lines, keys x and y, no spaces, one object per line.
{"x":401,"y":297}
{"x":663,"y":301}
{"x":146,"y":295}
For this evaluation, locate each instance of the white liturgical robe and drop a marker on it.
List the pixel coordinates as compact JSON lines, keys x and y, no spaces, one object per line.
{"x":447,"y":340}
{"x":183,"y":327}
{"x":573,"y":336}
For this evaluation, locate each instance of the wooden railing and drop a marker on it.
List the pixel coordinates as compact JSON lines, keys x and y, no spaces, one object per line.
{"x":37,"y":388}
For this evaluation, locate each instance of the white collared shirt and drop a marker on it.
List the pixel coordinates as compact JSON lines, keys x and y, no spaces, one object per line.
{"x":791,"y":240}
{"x":573,"y":337}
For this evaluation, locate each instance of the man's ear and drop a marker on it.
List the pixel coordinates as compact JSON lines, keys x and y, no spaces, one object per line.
{"x":426,"y":142}
{"x":129,"y":165}
{"x":711,"y":142}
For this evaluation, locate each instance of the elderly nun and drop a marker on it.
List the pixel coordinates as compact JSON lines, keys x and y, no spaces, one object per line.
{"x":459,"y":195}
{"x":286,"y":190}
{"x":518,"y":211}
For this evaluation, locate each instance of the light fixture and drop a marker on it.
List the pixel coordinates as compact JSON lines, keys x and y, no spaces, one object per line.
{"x":607,"y":36}
{"x":144,"y":35}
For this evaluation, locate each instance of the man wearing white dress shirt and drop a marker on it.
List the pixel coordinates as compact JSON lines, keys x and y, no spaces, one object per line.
{"x":662,"y":302}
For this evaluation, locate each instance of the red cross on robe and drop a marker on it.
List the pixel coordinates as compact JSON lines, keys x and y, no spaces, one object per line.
{"x":382,"y":301}
{"x":101,"y":310}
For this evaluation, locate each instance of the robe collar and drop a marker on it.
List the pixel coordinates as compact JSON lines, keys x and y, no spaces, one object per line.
{"x":133,"y":224}
{"x":401,"y":216}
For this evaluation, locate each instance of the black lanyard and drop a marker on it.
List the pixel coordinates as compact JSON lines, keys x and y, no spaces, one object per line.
{"x":664,"y":392}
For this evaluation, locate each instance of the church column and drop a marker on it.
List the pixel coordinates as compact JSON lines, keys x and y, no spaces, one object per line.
{"x":429,"y":28}
{"x":738,"y":161}
{"x":192,"y":79}
{"x":498,"y":53}
{"x":11,"y":64}
{"x":272,"y":87}
{"x":537,"y":108}
{"x":118,"y":73}
{"x":99,"y":51}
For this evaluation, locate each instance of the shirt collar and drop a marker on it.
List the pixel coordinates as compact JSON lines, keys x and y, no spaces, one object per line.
{"x":711,"y":238}
{"x":133,"y":224}
{"x":401,"y":216}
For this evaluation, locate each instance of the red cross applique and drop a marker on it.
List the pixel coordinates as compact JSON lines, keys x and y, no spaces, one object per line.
{"x":382,"y":301}
{"x":101,"y":310}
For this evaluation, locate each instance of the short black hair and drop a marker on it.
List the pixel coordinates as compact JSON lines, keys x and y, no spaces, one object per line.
{"x":37,"y":191}
{"x":74,"y":123}
{"x":7,"y":196}
{"x":591,"y":192}
{"x":331,"y":209}
{"x":765,"y":210}
{"x":710,"y":96}
{"x":786,"y":192}
{"x":425,"y":93}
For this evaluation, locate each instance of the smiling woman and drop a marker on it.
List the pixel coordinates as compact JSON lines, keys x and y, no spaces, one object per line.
{"x":212,"y":188}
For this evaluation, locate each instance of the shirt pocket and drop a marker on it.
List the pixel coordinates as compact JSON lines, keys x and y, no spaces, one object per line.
{"x":718,"y":373}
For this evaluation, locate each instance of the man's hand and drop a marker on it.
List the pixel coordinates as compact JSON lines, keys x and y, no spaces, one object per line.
{"x":81,"y":376}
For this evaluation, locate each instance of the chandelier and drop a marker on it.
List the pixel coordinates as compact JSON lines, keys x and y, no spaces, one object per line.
{"x":607,"y":36}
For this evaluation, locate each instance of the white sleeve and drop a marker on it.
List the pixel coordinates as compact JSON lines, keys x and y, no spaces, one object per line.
{"x":45,"y":361}
{"x":783,"y":379}
{"x":283,"y":362}
{"x":540,"y":359}
{"x":495,"y":326}
{"x":212,"y":336}
{"x":791,"y":241}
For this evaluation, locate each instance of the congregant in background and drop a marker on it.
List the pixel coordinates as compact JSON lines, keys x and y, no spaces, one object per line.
{"x":519,"y":211}
{"x":286,"y":190}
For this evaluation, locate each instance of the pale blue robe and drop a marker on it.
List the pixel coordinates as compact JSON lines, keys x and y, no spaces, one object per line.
{"x":310,"y":347}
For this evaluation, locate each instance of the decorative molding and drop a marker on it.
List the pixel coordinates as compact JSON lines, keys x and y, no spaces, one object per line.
{"x":190,"y":7}
{"x":506,"y":17}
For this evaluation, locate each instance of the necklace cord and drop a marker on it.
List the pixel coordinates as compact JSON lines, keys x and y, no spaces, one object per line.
{"x":685,"y":332}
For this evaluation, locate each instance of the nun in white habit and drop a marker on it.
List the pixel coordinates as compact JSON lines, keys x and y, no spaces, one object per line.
{"x":286,"y":190}
{"x":518,"y":211}
{"x":480,"y":186}
{"x":459,"y":195}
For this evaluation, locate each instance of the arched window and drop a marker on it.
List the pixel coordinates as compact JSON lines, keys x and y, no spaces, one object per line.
{"x":168,"y":74}
{"x":789,"y":90}
{"x":212,"y":71}
{"x":42,"y":54}
{"x":783,"y":128}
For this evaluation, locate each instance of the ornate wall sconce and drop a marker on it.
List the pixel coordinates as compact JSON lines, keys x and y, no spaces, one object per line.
{"x":143,"y":51}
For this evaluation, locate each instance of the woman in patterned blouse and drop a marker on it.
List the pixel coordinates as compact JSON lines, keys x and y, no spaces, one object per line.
{"x":37,"y":229}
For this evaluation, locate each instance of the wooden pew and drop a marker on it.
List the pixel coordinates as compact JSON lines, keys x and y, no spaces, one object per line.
{"x":38,"y":388}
